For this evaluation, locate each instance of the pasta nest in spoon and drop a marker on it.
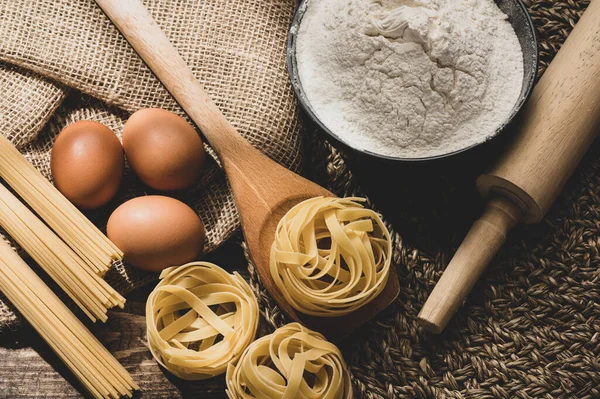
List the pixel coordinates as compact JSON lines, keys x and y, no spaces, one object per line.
{"x":199,"y":319}
{"x":292,"y":363}
{"x":330,"y":256}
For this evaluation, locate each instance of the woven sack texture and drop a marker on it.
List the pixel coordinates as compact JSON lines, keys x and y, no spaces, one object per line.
{"x":531,"y":326}
{"x":64,"y":61}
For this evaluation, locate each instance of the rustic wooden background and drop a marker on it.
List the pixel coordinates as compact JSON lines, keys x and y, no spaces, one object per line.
{"x":29,"y":368}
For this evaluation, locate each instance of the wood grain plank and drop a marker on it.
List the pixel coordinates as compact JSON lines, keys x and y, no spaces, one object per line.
{"x":29,"y":369}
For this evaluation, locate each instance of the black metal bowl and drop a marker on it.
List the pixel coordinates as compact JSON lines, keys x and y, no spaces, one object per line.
{"x":522,"y":24}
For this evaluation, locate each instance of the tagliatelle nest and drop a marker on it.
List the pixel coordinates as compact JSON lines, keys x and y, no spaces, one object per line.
{"x":330,"y":256}
{"x":199,"y":319}
{"x":292,"y":363}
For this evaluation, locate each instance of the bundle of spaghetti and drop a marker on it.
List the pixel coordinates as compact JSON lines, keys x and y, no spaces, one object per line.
{"x":81,"y":352}
{"x":330,"y":256}
{"x":88,"y":290}
{"x":292,"y":363}
{"x":200,"y":318}
{"x":62,"y":216}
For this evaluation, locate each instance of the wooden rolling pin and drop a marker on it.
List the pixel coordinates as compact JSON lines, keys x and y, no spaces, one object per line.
{"x":559,"y":123}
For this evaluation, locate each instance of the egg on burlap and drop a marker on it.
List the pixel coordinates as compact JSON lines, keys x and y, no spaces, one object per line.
{"x":164,"y":151}
{"x":87,"y":164}
{"x":155,"y":232}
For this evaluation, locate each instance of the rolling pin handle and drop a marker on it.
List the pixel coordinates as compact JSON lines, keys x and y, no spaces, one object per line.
{"x":483,"y":241}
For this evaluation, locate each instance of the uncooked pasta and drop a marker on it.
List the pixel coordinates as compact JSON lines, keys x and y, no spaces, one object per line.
{"x":82,"y":283}
{"x":330,"y":256}
{"x":62,"y":216}
{"x":99,"y":372}
{"x":292,"y":363}
{"x":199,"y":319}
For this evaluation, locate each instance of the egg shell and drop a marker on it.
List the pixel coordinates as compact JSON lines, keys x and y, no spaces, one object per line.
{"x":87,"y":164}
{"x":164,"y":151}
{"x":155,"y":232}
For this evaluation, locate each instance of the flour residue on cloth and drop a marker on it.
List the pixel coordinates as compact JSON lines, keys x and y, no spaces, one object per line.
{"x":409,"y":78}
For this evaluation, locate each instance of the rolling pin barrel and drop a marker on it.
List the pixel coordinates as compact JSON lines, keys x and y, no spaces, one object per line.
{"x":558,"y":124}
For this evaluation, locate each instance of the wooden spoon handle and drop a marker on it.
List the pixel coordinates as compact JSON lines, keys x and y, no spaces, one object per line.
{"x":153,"y":46}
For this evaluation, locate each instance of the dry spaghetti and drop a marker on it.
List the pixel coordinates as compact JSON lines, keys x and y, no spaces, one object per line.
{"x":81,"y":352}
{"x":330,"y":256}
{"x":88,"y":290}
{"x":200,"y":318}
{"x":292,"y":363}
{"x":62,"y":216}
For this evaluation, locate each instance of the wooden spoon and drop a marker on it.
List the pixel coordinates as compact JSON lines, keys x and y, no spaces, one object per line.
{"x":263,"y":190}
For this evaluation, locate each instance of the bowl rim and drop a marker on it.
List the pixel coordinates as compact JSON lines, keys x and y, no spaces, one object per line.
{"x":305,"y":104}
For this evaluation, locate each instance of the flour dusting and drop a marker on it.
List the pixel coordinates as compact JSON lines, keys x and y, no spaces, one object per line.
{"x":408,"y":78}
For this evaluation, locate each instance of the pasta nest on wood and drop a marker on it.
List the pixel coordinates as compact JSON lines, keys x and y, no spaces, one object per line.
{"x":292,"y":363}
{"x":199,"y":319}
{"x":330,"y":256}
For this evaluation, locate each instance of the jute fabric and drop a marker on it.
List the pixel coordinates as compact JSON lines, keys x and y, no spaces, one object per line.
{"x":530,"y":327}
{"x":64,"y":61}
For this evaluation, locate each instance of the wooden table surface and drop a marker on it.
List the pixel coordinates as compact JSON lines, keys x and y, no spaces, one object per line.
{"x":29,"y":368}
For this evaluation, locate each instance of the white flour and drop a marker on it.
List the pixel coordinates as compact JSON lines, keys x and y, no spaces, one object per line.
{"x":409,"y":78}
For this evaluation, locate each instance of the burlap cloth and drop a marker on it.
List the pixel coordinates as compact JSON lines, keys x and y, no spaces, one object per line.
{"x":63,"y":61}
{"x":529,"y":329}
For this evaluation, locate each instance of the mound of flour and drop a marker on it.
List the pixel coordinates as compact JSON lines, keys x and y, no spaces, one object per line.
{"x":409,"y":78}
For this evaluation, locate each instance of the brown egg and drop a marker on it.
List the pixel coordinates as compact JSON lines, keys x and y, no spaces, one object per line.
{"x":87,"y":164}
{"x":155,"y":232}
{"x":163,"y":150}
